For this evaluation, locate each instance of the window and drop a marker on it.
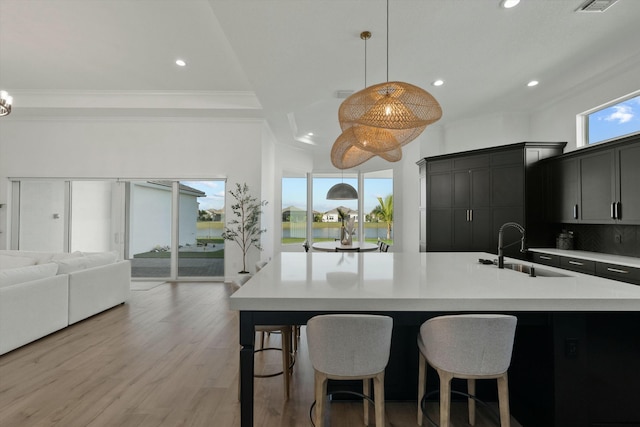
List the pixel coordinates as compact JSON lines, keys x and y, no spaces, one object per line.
{"x":294,"y":209}
{"x":378,"y":206}
{"x":611,"y":121}
{"x":326,"y":220}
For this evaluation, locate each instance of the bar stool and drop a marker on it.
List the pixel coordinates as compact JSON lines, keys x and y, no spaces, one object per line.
{"x":295,"y":329}
{"x":287,"y":357}
{"x":468,"y":346}
{"x":348,"y":347}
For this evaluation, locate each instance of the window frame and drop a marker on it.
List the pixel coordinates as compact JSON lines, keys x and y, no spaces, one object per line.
{"x":582,"y":121}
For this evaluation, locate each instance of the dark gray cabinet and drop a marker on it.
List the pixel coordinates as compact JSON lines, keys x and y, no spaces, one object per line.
{"x":596,"y":185}
{"x":628,"y":179}
{"x":564,"y":204}
{"x":469,"y":195}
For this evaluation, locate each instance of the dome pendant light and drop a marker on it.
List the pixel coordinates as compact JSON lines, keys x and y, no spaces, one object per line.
{"x":342,"y":191}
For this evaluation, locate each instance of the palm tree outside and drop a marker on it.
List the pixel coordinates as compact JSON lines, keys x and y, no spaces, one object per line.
{"x":384,"y":212}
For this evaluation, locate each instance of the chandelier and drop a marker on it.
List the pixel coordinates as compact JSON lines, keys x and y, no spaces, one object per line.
{"x":382,"y":118}
{"x":5,"y":103}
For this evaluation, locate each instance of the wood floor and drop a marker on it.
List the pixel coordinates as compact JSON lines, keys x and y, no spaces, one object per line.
{"x":169,"y":357}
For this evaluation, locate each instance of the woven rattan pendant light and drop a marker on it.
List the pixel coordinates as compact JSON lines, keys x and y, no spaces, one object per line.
{"x":345,"y":154}
{"x":390,"y":106}
{"x":352,"y":146}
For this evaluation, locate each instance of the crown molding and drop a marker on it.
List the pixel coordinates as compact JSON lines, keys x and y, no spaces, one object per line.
{"x":162,"y":100}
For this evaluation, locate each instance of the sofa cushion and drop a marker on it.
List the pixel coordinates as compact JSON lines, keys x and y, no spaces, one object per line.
{"x":69,"y":265}
{"x":66,"y":255}
{"x":26,"y":274}
{"x":10,"y":261}
{"x":101,"y":258}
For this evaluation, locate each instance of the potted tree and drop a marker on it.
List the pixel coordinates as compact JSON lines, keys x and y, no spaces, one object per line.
{"x":244,"y":228}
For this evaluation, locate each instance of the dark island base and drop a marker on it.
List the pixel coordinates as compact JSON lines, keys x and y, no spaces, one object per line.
{"x":568,"y":369}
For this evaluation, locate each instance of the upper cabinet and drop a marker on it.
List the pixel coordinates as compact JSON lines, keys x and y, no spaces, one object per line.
{"x":597,"y":185}
{"x":469,"y":195}
{"x":628,"y":183}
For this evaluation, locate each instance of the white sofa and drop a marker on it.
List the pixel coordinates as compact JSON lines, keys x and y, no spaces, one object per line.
{"x":42,"y":292}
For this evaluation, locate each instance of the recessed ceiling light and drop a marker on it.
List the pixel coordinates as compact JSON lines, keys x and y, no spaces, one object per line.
{"x":533,"y":83}
{"x":310,"y":134}
{"x":438,"y":82}
{"x":508,"y":4}
{"x":180,"y":62}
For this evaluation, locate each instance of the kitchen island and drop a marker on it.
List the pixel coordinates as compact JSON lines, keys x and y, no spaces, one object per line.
{"x":563,"y":319}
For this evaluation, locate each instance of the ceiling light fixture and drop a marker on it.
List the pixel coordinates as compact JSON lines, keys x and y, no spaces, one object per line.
{"x":438,"y":82}
{"x":5,"y":103}
{"x":354,"y":146}
{"x":533,"y":83}
{"x":180,"y":62}
{"x":508,"y":4}
{"x":388,"y":115}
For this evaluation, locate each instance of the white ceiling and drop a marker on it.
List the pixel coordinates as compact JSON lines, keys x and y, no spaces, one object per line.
{"x":284,"y":60}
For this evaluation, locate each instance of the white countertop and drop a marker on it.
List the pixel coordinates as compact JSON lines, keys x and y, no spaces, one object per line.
{"x":591,"y":256}
{"x":454,"y":281}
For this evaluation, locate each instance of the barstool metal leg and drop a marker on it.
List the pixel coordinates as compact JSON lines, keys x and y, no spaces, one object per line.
{"x":422,"y":383}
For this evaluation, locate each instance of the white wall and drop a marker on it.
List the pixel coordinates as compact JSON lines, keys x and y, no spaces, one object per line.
{"x":196,"y":149}
{"x":269,"y":191}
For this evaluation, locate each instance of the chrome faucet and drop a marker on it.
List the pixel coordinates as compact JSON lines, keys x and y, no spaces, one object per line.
{"x":501,"y":246}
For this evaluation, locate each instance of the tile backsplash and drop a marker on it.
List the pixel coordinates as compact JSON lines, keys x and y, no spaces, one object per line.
{"x":608,"y":239}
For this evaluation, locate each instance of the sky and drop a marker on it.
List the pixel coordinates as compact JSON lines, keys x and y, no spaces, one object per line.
{"x":214,"y":190}
{"x":618,"y":120}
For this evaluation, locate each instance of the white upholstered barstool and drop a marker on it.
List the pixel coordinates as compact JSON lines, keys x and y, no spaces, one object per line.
{"x":348,"y":347}
{"x":471,"y":347}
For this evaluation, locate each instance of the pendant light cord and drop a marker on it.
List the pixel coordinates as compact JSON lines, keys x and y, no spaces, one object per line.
{"x":365,"y":61}
{"x":387,"y":41}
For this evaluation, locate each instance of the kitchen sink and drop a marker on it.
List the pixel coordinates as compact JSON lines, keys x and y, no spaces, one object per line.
{"x":538,"y":272}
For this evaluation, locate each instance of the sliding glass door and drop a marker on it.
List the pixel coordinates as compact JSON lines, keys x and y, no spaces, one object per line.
{"x":149,"y":225}
{"x":201,"y":213}
{"x":175,"y":227}
{"x":168,"y":229}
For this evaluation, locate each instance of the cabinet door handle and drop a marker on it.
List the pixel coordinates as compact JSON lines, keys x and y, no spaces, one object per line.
{"x":617,"y":270}
{"x":471,"y":215}
{"x":613,"y":211}
{"x":575,"y":263}
{"x":467,"y":215}
{"x":618,"y":210}
{"x":575,"y":211}
{"x":545,"y":257}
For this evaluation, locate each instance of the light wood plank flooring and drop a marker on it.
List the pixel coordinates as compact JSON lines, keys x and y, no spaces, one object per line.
{"x":169,"y":357}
